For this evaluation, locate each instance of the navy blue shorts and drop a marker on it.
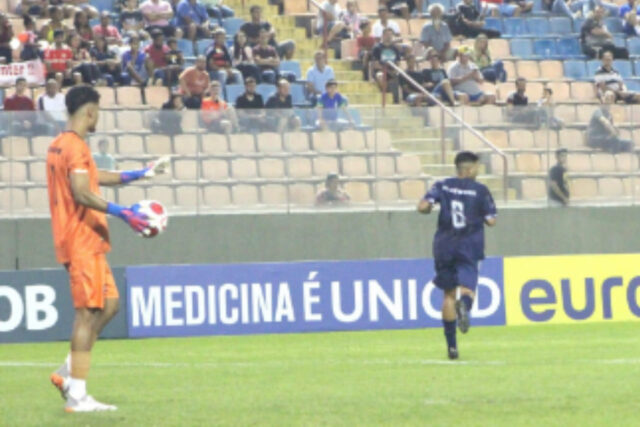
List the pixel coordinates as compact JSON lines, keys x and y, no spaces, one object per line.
{"x":455,"y":270}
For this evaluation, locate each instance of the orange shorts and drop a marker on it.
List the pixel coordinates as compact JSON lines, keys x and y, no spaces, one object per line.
{"x":91,"y":281}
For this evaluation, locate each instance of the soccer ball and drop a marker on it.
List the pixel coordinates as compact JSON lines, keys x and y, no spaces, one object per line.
{"x":156,"y":215}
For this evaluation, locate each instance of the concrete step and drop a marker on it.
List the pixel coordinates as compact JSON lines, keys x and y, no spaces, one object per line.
{"x":391,"y":123}
{"x":425,"y":145}
{"x":349,"y":76}
{"x":336,"y":64}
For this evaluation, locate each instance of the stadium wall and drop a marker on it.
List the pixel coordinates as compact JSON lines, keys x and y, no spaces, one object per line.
{"x":206,"y":239}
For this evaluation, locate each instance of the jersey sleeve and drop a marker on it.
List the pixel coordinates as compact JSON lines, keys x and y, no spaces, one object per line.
{"x":488,"y":205}
{"x":433,"y":195}
{"x":78,"y":160}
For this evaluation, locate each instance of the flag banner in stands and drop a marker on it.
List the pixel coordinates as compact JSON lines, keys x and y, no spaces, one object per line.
{"x":33,"y":71}
{"x":35,"y":305}
{"x":297,"y":297}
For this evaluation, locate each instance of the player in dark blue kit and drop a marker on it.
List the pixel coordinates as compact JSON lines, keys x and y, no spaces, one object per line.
{"x":458,"y":246}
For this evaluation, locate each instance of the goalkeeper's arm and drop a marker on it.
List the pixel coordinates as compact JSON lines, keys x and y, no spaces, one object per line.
{"x":154,"y":168}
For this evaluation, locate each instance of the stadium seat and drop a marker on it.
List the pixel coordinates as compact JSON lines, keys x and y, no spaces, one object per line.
{"x":13,"y":172}
{"x":633,"y":44}
{"x":266,"y":90}
{"x":378,"y":140}
{"x":103,"y":5}
{"x":469,"y":141}
{"x":185,"y":170}
{"x":492,"y":114}
{"x":626,"y":162}
{"x":521,"y":48}
{"x":546,"y":139}
{"x":232,"y":25}
{"x":187,"y":196}
{"x":528,"y":163}
{"x":269,"y":142}
{"x":190,"y":120}
{"x":603,"y":162}
{"x":514,"y":27}
{"x":129,"y":96}
{"x":292,"y":67}
{"x":242,"y":143}
{"x":296,"y":142}
{"x":186,"y":47}
{"x":107,"y":96}
{"x":216,"y":196}
{"x":299,"y":167}
{"x":274,"y":194}
{"x":12,"y":200}
{"x":355,"y":166}
{"x":162,"y":193}
{"x":408,"y":165}
{"x":614,"y":25}
{"x":582,"y":91}
{"x":592,"y":67}
{"x":298,"y":98}
{"x":551,"y":70}
{"x":324,"y":141}
{"x":352,"y":140}
{"x":187,"y":144}
{"x":568,"y":47}
{"x":129,"y":120}
{"x":633,"y":85}
{"x":106,"y":121}
{"x":493,"y":24}
{"x":271,"y":168}
{"x":534,"y":189}
{"x":15,"y":147}
{"x":158,"y":145}
{"x":611,"y":187}
{"x":579,"y":162}
{"x":385,"y":191}
{"x":584,"y":113}
{"x":509,"y":67}
{"x":383,"y":166}
{"x":538,"y":27}
{"x":575,"y":69}
{"x":520,"y":138}
{"x":544,"y":48}
{"x":624,"y":68}
{"x":324,"y":165}
{"x":40,"y":145}
{"x":215,"y":170}
{"x":497,"y":137}
{"x":129,"y":144}
{"x":560,"y":25}
{"x":203,"y":45}
{"x":245,"y":195}
{"x":38,"y":172}
{"x":528,"y":69}
{"x":154,"y":96}
{"x":244,"y":169}
{"x":130,"y":194}
{"x":358,"y":191}
{"x":561,"y":91}
{"x":567,"y":113}
{"x":412,"y":189}
{"x":302,"y":194}
{"x":233,"y":92}
{"x":584,"y":188}
{"x":571,"y":138}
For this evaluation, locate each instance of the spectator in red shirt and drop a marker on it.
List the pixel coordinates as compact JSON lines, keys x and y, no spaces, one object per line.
{"x":6,"y":34}
{"x":216,"y":115}
{"x":219,"y":62}
{"x":107,"y":30}
{"x":23,"y":121}
{"x":157,"y":52}
{"x":57,"y":58}
{"x":365,"y":45}
{"x":194,"y":81}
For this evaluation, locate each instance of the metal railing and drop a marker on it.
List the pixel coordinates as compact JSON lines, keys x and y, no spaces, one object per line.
{"x":456,"y":117}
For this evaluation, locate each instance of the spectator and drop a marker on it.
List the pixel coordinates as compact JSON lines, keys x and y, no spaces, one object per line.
{"x":81,"y":61}
{"x":520,"y":111}
{"x":6,"y":34}
{"x":433,"y":79}
{"x":52,"y":105}
{"x":559,"y":180}
{"x":470,"y":22}
{"x":29,"y":40}
{"x":403,"y":8}
{"x":103,"y":159}
{"x":131,"y":19}
{"x":242,"y":57}
{"x":383,"y":23}
{"x":158,"y":52}
{"x":57,"y":58}
{"x":168,"y":121}
{"x":285,"y":49}
{"x":23,"y":120}
{"x":281,"y":102}
{"x":175,"y":62}
{"x":595,"y":37}
{"x":82,"y":27}
{"x":215,"y":114}
{"x":466,"y":78}
{"x":36,"y":8}
{"x":631,"y":26}
{"x":55,"y":23}
{"x":331,"y":9}
{"x":506,"y":8}
{"x":386,"y":51}
{"x":437,"y":33}
{"x":630,"y":6}
{"x":194,"y":81}
{"x":217,"y":10}
{"x":72,"y":6}
{"x":156,"y":14}
{"x":193,"y":19}
{"x":603,"y":134}
{"x":106,"y":30}
{"x":317,"y":76}
{"x":332,"y":195}
{"x":330,"y":102}
{"x":136,"y":66}
{"x":352,"y":19}
{"x":219,"y":63}
{"x":106,"y":61}
{"x":491,"y":71}
{"x":610,"y":85}
{"x":366,"y":42}
{"x":250,"y":106}
{"x":266,"y":58}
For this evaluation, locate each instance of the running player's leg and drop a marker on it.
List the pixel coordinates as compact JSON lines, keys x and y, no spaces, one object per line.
{"x":467,"y":273}
{"x":447,"y":281}
{"x":111,"y":299}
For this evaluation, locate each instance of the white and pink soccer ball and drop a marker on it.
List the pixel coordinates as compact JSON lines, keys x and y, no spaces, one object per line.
{"x":157,"y":217}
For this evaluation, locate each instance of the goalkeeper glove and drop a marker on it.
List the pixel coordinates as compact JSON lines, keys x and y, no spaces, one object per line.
{"x":137,"y":221}
{"x":154,"y":168}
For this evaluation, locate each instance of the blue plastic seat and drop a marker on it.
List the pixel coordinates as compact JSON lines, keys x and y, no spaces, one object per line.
{"x":560,"y":25}
{"x":233,"y":92}
{"x":538,"y":27}
{"x":522,"y":48}
{"x":633,"y":85}
{"x":614,"y":25}
{"x":577,"y":24}
{"x":633,"y":44}
{"x":265,"y":90}
{"x":232,"y":25}
{"x":186,"y":47}
{"x":298,"y":96}
{"x":292,"y":67}
{"x":545,"y":48}
{"x":103,"y":5}
{"x":636,"y":66}
{"x":493,"y":24}
{"x":568,"y":47}
{"x":592,"y":67}
{"x":619,"y":40}
{"x":514,"y":27}
{"x":575,"y":69}
{"x":624,"y":68}
{"x":203,"y":45}
{"x":446,"y":4}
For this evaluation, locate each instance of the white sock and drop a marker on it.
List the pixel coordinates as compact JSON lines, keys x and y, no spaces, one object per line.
{"x":77,"y":388}
{"x":67,"y":362}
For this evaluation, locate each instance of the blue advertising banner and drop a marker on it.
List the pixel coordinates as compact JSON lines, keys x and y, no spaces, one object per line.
{"x":232,"y":299}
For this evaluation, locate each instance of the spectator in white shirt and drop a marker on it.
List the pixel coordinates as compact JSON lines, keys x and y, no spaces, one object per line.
{"x":383,"y":23}
{"x":52,"y":105}
{"x":332,"y":11}
{"x":317,"y":76}
{"x":465,"y":77}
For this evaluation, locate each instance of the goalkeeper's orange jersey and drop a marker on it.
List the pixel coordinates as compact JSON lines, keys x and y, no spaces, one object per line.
{"x":77,"y":230}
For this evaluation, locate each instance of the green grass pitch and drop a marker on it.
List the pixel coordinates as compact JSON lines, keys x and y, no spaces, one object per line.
{"x":564,"y":375}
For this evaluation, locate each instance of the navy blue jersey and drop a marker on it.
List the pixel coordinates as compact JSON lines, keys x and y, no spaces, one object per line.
{"x":464,"y":206}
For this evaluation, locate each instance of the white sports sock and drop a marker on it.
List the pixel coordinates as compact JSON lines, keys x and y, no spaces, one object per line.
{"x":67,"y":362}
{"x":77,"y":388}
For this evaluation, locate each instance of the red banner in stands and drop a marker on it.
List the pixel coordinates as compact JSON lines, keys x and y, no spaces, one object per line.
{"x":33,"y":71}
